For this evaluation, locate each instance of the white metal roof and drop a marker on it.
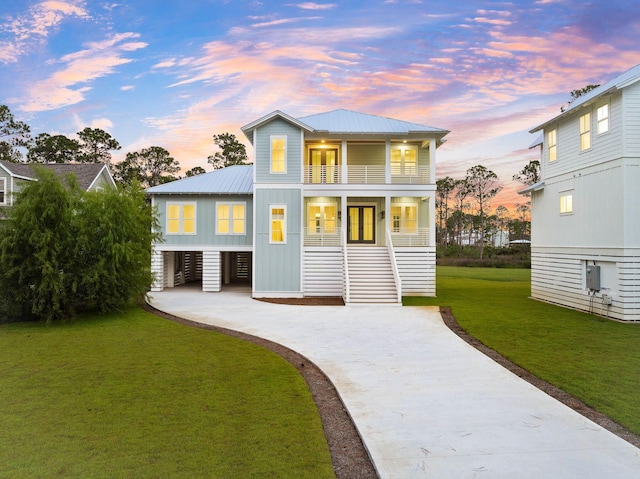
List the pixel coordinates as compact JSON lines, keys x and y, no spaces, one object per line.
{"x":237,"y":179}
{"x":351,"y":122}
{"x":621,"y":81}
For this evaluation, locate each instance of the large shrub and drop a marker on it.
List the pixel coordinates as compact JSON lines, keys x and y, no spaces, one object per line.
{"x":64,"y":250}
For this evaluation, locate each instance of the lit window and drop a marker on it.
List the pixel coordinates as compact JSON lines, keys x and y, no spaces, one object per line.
{"x":321,"y":219}
{"x":278,"y":154}
{"x":181,"y":218}
{"x":566,"y":203}
{"x":602,"y":115}
{"x":404,"y":219}
{"x":585,"y":131}
{"x":230,"y":219}
{"x":404,"y":161}
{"x":552,"y":138}
{"x":3,"y":191}
{"x":278,"y":224}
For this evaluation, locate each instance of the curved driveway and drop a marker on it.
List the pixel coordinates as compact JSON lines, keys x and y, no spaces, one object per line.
{"x":426,"y":404}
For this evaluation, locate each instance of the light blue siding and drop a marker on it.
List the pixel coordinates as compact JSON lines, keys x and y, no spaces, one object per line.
{"x":263,"y":152}
{"x":277,"y":266}
{"x":205,"y":220}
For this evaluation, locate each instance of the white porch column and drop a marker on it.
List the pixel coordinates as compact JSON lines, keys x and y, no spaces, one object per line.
{"x":345,"y":169}
{"x":387,"y":215}
{"x":432,"y":161}
{"x":344,"y":214}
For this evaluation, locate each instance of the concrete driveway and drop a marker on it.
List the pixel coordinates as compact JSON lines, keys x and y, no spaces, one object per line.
{"x":426,"y":404}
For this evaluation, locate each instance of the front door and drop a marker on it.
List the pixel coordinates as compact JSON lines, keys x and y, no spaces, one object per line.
{"x":361,"y":226}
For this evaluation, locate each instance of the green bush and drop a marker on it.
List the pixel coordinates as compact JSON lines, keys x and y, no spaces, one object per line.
{"x":65,"y":250}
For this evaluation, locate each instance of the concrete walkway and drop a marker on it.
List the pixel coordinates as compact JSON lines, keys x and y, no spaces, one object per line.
{"x":425,"y":402}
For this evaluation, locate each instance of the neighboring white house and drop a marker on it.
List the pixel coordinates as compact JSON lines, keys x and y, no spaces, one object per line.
{"x":91,"y":176}
{"x":585,"y":211}
{"x":335,"y":204}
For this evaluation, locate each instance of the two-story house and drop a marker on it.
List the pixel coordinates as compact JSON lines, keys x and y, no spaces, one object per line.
{"x":13,"y":176}
{"x":335,"y":204}
{"x":585,"y":211}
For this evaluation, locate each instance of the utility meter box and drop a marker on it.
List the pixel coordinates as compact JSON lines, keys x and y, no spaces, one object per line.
{"x":593,"y":277}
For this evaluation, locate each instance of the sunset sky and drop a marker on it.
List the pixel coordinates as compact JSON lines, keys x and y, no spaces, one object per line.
{"x":173,"y":73}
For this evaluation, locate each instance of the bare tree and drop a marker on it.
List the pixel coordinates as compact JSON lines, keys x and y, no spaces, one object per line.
{"x":482,"y":184}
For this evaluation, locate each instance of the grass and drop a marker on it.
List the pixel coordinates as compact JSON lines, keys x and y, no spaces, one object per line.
{"x":592,"y":358}
{"x":133,"y":395}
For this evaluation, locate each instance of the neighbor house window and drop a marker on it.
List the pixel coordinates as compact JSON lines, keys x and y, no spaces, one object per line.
{"x":181,"y":218}
{"x":278,"y":154}
{"x":602,"y":116}
{"x":585,"y":131}
{"x":552,"y":138}
{"x":3,"y":191}
{"x":278,"y":224}
{"x":566,"y":203}
{"x":404,"y":219}
{"x":230,"y":218}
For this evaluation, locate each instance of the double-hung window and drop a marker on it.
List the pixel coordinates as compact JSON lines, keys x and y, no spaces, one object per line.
{"x":585,"y":131}
{"x":321,"y":219}
{"x":181,"y":218}
{"x":230,"y":218}
{"x":566,"y":202}
{"x":602,"y":117}
{"x":404,"y":219}
{"x":552,"y":145}
{"x":277,"y":224}
{"x":278,"y":154}
{"x":404,"y":161}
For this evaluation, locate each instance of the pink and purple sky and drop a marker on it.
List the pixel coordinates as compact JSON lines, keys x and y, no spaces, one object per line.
{"x":173,"y":73}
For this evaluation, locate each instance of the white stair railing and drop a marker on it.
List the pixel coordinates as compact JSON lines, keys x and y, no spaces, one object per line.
{"x":347,"y":289}
{"x":394,"y":266}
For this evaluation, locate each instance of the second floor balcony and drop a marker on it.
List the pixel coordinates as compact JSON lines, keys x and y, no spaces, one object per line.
{"x":366,"y":175}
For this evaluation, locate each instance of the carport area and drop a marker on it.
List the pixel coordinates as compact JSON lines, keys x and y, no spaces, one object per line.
{"x":213,"y":269}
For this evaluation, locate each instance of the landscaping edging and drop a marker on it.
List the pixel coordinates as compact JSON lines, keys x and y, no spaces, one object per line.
{"x":349,"y":456}
{"x":553,"y":391}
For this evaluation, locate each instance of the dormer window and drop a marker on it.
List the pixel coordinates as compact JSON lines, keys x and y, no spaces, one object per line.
{"x":278,"y":154}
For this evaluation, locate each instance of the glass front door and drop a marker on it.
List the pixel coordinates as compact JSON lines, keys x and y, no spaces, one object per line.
{"x":361,"y":224}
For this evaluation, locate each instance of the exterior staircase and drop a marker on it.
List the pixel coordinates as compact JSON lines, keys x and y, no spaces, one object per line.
{"x":371,"y":275}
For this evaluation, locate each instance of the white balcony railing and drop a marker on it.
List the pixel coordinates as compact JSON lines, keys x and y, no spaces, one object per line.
{"x":414,"y":237}
{"x":322,"y":174}
{"x":366,"y":174}
{"x":413,"y":176}
{"x":313,"y":237}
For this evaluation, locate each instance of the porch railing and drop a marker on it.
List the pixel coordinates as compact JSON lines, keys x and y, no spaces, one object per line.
{"x":313,"y":237}
{"x":415,"y":176}
{"x":321,"y":174}
{"x":366,"y":174}
{"x":414,"y":237}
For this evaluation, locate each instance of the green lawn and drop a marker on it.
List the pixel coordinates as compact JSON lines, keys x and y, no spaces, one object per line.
{"x":592,"y":358}
{"x":133,"y":395}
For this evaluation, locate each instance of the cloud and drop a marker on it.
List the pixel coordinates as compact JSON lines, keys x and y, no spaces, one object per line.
{"x":33,"y":27}
{"x":70,"y":84}
{"x":315,"y":6}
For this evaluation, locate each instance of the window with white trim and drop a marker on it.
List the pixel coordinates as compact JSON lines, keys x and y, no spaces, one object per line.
{"x":404,"y":218}
{"x":230,"y":218}
{"x":277,"y":224}
{"x":3,"y":191}
{"x":278,"y":154}
{"x":566,"y":203}
{"x":321,"y":218}
{"x":181,"y":218}
{"x":585,"y":131}
{"x":552,"y":139}
{"x":404,"y":160}
{"x":602,"y":117}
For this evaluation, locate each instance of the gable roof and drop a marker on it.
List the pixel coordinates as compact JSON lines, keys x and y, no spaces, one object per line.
{"x":237,"y":179}
{"x":346,"y":122}
{"x":618,"y":83}
{"x":86,"y":173}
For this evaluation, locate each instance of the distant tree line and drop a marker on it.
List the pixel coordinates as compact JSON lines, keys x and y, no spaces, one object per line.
{"x":149,"y":166}
{"x":464,"y":213}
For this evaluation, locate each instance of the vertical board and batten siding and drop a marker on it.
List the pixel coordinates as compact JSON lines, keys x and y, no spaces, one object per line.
{"x":366,"y":154}
{"x":323,"y":271}
{"x":604,"y":147}
{"x":559,"y":276}
{"x":417,"y":270}
{"x":211,"y":273}
{"x":277,"y":267}
{"x":205,"y":220}
{"x":631,"y":212}
{"x":631,"y":99}
{"x":262,"y":163}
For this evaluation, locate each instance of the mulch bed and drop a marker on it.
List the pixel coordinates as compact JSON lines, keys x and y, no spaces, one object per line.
{"x":349,"y":456}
